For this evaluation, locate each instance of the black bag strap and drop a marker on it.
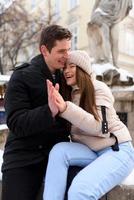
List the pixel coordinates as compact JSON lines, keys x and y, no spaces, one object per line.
{"x":104,"y":120}
{"x":115,"y":147}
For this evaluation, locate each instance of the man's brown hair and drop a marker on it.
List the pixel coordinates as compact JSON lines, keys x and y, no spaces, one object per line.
{"x":51,"y":33}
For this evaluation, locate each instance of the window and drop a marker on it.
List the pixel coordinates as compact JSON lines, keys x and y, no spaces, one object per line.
{"x":2,"y":117}
{"x":74,"y":31}
{"x":123,"y":117}
{"x":126,"y":41}
{"x":129,"y":49}
{"x":73,"y":4}
{"x":33,"y":4}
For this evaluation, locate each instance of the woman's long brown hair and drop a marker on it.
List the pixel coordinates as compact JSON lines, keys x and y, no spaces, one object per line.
{"x":87,"y":92}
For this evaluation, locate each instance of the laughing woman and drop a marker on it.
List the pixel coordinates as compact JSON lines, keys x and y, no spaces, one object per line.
{"x":101,"y":143}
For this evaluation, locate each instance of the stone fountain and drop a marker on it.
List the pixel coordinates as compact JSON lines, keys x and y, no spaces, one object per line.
{"x":103,"y":32}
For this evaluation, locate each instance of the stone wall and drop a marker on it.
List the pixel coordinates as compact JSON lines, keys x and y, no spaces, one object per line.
{"x":124,"y":103}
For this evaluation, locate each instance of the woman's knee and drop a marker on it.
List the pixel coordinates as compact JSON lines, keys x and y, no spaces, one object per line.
{"x":75,"y":191}
{"x":59,"y":150}
{"x":80,"y":190}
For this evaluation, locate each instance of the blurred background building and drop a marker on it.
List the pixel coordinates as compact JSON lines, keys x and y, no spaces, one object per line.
{"x":75,"y":14}
{"x":22,"y":20}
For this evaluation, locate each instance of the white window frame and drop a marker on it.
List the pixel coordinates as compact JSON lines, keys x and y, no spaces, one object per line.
{"x":72,"y":4}
{"x":129,"y":47}
{"x":126,"y":46}
{"x":74,"y":30}
{"x":33,"y":4}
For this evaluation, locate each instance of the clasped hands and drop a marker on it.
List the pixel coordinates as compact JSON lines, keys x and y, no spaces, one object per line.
{"x":55,"y":101}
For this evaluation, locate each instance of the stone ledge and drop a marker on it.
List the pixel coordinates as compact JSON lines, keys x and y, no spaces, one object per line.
{"x":122,"y":192}
{"x":123,"y":95}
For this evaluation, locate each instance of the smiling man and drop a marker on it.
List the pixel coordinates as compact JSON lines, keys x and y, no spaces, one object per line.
{"x":33,"y":130}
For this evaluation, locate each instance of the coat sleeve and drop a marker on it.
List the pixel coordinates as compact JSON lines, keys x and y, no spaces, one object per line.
{"x":83,"y":120}
{"x":22,"y":119}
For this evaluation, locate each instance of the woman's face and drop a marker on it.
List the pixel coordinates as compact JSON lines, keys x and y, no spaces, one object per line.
{"x":69,"y":72}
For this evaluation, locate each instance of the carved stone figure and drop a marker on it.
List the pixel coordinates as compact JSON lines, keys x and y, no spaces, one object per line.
{"x":103,"y":28}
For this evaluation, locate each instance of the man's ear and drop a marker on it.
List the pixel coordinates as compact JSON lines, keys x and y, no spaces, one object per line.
{"x":44,"y":50}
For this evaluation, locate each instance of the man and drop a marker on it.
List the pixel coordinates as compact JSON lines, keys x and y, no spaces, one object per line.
{"x":33,"y":129}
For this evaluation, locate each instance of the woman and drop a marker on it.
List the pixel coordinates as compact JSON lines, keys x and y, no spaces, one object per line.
{"x":106,"y":154}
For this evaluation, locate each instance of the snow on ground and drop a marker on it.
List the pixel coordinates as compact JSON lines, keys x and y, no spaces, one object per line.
{"x":101,"y":68}
{"x":3,"y":127}
{"x":129,"y":180}
{"x":124,"y":74}
{"x":123,"y":88}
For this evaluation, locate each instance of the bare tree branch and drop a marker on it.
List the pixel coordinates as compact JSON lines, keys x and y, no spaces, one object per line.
{"x":19,"y":30}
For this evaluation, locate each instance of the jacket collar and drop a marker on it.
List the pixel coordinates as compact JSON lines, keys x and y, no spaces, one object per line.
{"x":39,"y":61}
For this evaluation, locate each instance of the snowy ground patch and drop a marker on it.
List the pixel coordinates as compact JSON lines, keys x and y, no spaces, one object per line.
{"x":129,"y":180}
{"x":122,"y":75}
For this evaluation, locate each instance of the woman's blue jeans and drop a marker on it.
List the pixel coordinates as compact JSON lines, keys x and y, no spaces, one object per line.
{"x":102,"y":170}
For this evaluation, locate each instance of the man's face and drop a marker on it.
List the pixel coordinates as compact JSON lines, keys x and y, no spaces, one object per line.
{"x":56,"y":59}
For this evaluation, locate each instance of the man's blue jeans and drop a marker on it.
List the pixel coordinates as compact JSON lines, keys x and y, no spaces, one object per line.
{"x":102,"y":170}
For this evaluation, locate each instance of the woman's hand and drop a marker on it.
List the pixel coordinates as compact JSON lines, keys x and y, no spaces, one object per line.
{"x":61,"y":104}
{"x":55,"y":100}
{"x":51,"y":99}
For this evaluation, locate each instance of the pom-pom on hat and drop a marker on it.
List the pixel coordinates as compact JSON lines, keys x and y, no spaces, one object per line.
{"x":81,"y":59}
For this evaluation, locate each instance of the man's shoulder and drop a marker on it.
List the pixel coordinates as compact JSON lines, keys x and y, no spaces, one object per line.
{"x":31,"y":65}
{"x":21,"y":72}
{"x":25,"y":68}
{"x":22,"y":66}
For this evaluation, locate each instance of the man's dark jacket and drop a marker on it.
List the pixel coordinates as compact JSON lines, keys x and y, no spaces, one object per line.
{"x":33,"y":130}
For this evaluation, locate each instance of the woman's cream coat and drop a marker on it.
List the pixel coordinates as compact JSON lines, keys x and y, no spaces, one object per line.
{"x":87,"y":130}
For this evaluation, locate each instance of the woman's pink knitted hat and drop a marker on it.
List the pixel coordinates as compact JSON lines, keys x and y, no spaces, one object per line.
{"x":81,"y":59}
